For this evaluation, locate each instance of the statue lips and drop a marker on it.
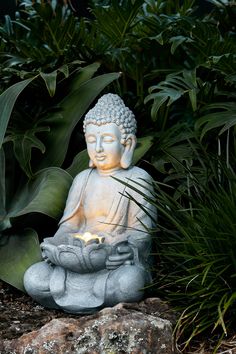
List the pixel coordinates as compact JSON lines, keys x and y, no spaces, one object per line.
{"x":100,"y":157}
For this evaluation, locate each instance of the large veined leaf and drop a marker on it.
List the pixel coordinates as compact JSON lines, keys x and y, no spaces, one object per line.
{"x":17,"y":253}
{"x":84,"y":75}
{"x":2,"y":185}
{"x":8,"y":98}
{"x":225,"y":118}
{"x":174,"y":155}
{"x":7,"y":101}
{"x":79,"y":163}
{"x":177,"y":41}
{"x":143,"y":145}
{"x":45,"y":193}
{"x":174,"y":87}
{"x":50,"y":81}
{"x":117,"y":19}
{"x":73,"y":107}
{"x":23,"y":144}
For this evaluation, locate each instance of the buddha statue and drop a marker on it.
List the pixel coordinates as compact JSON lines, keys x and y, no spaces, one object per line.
{"x":99,"y":255}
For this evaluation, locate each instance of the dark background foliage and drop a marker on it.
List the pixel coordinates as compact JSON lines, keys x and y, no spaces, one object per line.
{"x":178,"y":65}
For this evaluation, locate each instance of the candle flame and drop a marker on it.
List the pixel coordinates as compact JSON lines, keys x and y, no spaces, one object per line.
{"x":87,"y":236}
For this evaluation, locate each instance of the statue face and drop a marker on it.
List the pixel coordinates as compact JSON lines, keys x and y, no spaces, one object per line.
{"x":103,"y":144}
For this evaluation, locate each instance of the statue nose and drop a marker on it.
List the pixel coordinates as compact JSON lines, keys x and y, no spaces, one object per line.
{"x":99,"y":147}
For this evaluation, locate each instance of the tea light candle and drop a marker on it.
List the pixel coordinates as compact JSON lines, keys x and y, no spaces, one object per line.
{"x":87,"y":237}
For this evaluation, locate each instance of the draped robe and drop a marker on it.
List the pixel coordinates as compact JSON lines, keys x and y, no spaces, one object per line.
{"x":75,"y":292}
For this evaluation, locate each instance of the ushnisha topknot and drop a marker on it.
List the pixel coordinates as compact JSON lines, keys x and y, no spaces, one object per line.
{"x":110,"y":108}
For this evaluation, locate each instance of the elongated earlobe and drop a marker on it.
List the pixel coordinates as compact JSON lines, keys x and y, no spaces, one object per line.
{"x":126,"y":159}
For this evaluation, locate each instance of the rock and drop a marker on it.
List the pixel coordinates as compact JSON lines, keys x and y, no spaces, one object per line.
{"x":125,"y":328}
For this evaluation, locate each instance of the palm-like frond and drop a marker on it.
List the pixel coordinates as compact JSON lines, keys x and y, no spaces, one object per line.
{"x":173,"y":88}
{"x":197,"y":252}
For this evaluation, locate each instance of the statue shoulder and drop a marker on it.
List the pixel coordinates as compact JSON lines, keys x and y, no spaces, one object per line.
{"x":80,"y":179}
{"x":138,"y":173}
{"x":82,"y":176}
{"x":139,"y":179}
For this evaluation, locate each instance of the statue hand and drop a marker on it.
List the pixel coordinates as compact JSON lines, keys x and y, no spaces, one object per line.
{"x":49,"y":253}
{"x":123,"y":254}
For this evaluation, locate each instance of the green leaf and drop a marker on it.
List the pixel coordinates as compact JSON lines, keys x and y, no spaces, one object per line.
{"x":64,"y":70}
{"x":159,"y":100}
{"x":116,"y":20}
{"x":177,"y":41}
{"x":2,"y":185}
{"x":23,"y":144}
{"x":7,"y":101}
{"x":172,"y":88}
{"x":46,"y":193}
{"x":216,"y":58}
{"x":175,"y":155}
{"x":73,"y":107}
{"x":84,"y":75}
{"x":17,"y":253}
{"x":159,"y":38}
{"x":193,"y":98}
{"x":143,"y":145}
{"x":79,"y":163}
{"x":50,"y":81}
{"x":226,"y":117}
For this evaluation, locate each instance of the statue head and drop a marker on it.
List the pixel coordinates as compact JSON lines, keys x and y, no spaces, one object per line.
{"x":111,"y":116}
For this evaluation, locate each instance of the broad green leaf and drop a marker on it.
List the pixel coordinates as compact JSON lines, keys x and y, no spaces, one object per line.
{"x":64,"y":70}
{"x":84,"y":75}
{"x":172,"y":88}
{"x":175,"y":155}
{"x":174,"y":95}
{"x":193,"y":98}
{"x":8,"y":25}
{"x":45,"y":193}
{"x":159,"y":38}
{"x":50,"y":81}
{"x":2,"y":185}
{"x":23,"y":144}
{"x":177,"y":41}
{"x":158,"y":102}
{"x":79,"y":163}
{"x":190,"y":78}
{"x":17,"y":253}
{"x":7,"y":101}
{"x":231,"y":78}
{"x":116,"y":20}
{"x":73,"y":107}
{"x":143,"y":145}
{"x":5,"y":224}
{"x":215,"y":120}
{"x":216,"y":58}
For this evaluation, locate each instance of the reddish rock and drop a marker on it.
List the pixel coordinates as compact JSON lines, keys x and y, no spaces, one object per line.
{"x":125,"y":328}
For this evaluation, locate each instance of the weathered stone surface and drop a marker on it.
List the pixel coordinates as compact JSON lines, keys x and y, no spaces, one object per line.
{"x":125,"y":328}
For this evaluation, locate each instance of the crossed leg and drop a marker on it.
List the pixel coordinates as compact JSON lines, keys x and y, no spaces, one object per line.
{"x":36,"y":283}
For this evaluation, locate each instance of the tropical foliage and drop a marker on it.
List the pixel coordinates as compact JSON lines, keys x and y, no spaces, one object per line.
{"x":196,"y":246}
{"x":178,"y":65}
{"x":33,"y":182}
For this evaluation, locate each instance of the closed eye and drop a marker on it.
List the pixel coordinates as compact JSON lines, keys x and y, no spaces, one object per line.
{"x":91,"y":139}
{"x":108,"y":139}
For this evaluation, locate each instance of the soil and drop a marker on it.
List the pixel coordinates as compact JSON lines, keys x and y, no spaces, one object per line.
{"x":19,"y":314}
